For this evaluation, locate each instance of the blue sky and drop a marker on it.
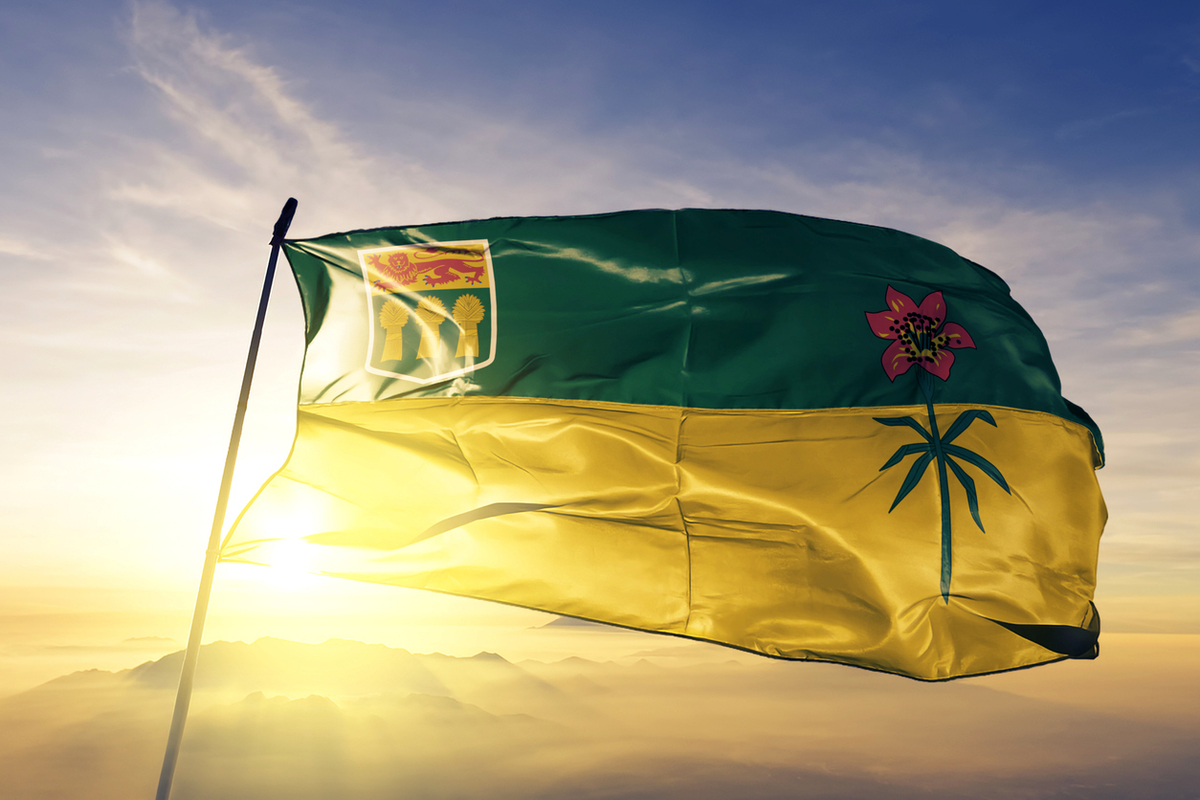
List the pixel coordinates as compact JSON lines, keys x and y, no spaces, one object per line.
{"x":148,"y":147}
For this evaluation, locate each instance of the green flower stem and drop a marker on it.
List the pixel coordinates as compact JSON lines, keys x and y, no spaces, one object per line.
{"x":925,"y":381}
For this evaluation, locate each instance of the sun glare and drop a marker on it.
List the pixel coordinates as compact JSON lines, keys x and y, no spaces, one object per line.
{"x":292,"y":566}
{"x":289,"y":557}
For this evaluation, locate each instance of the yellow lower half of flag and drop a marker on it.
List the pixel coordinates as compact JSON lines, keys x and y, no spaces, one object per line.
{"x":763,"y":530}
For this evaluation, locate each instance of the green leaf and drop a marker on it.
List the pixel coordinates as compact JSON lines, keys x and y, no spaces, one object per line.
{"x":985,"y":466}
{"x":896,"y":422}
{"x":903,"y":452}
{"x":915,"y":473}
{"x":969,"y":484}
{"x":964,"y":421}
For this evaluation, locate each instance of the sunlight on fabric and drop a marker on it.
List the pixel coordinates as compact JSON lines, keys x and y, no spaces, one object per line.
{"x":287,"y":552}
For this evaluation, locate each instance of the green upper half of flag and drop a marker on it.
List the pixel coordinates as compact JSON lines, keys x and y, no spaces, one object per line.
{"x":691,"y":308}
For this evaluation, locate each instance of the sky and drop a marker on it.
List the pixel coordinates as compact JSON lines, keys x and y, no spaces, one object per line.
{"x":148,"y":147}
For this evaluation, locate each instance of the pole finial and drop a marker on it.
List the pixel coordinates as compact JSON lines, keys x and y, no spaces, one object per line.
{"x":284,"y":222}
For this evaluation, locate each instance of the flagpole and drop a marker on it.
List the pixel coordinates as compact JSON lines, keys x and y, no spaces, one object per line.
{"x":183,"y":697}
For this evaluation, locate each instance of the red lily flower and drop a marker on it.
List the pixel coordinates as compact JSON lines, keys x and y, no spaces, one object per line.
{"x":918,"y":335}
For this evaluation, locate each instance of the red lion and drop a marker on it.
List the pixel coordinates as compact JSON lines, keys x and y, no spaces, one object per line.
{"x":434,"y":272}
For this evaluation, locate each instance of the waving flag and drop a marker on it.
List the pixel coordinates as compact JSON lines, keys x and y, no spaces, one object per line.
{"x":805,"y":438}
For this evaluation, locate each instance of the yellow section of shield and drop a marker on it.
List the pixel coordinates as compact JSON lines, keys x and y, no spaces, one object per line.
{"x":417,"y":268}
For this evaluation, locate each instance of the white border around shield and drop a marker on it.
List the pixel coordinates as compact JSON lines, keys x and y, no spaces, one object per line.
{"x":487,"y":256}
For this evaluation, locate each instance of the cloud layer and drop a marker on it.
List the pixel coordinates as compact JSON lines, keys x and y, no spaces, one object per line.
{"x":346,"y":719}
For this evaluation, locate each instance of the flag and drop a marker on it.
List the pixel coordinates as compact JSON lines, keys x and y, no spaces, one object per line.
{"x":800,"y":437}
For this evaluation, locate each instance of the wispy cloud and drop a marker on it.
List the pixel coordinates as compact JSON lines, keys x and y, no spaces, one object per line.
{"x":1079,"y":128}
{"x":1178,"y":328}
{"x":252,"y":142}
{"x":13,"y":246}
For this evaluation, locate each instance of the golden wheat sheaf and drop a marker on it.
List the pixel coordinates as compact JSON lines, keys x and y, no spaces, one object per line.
{"x":468,"y":313}
{"x":431,"y":313}
{"x":393,"y":317}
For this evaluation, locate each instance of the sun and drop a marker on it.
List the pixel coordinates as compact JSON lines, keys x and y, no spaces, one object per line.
{"x":292,"y":567}
{"x":291,"y":561}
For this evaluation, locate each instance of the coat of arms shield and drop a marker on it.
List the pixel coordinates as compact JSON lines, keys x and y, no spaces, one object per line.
{"x":432,"y":309}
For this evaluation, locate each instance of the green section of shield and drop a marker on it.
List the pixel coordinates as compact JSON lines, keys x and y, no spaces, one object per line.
{"x":694,"y":308}
{"x":448,"y":335}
